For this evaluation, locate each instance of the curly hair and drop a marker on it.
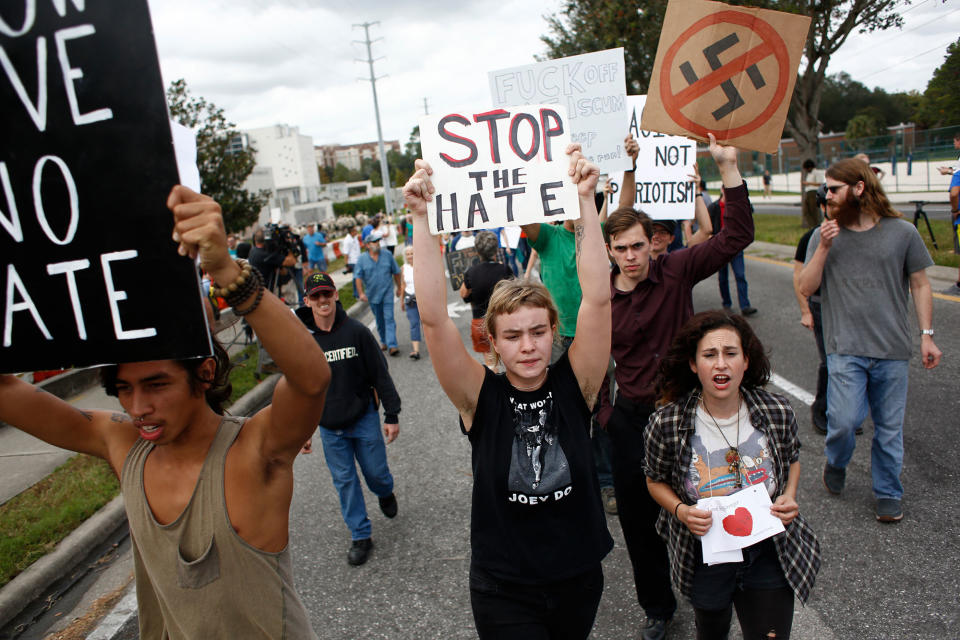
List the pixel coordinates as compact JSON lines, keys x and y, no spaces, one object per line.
{"x":215,"y":394}
{"x":674,"y":376}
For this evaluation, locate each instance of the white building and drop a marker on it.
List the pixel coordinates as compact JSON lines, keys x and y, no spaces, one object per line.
{"x":286,"y":166}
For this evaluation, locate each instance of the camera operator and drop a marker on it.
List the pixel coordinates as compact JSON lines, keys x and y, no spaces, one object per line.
{"x":272,"y":257}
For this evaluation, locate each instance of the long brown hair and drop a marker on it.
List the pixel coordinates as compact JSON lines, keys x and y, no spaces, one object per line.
{"x":851,"y":171}
{"x":675,"y":379}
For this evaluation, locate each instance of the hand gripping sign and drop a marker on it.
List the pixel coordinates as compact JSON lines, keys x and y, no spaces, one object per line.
{"x":725,"y":70}
{"x":498,"y":168}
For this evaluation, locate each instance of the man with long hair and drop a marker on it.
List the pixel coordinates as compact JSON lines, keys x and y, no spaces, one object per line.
{"x":865,"y":259}
{"x":207,"y":495}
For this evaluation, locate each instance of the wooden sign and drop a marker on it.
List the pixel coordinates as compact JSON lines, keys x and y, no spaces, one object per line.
{"x":725,"y":70}
{"x":88,"y":271}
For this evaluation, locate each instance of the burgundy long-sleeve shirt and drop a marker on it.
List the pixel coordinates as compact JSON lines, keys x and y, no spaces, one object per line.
{"x":646,"y":319}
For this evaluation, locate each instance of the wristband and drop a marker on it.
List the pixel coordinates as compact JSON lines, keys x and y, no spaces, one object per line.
{"x":676,"y":510}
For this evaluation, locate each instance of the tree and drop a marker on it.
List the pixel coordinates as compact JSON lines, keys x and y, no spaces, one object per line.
{"x":863,"y":125}
{"x":223,"y":167}
{"x":591,"y":25}
{"x":940,"y":104}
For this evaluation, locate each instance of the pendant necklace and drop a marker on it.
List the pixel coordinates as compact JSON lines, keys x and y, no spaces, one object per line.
{"x":733,"y":453}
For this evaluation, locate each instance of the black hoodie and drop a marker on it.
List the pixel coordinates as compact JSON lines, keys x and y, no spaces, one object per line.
{"x":358,"y":368}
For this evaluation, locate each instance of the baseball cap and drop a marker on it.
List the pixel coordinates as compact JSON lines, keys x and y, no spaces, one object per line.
{"x":374,"y":236}
{"x":669,"y":225}
{"x":319,"y":281}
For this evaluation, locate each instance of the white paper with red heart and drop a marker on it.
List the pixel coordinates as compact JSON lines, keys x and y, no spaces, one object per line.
{"x":739,"y":520}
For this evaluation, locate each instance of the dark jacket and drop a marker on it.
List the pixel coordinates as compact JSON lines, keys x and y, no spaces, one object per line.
{"x":358,"y":369}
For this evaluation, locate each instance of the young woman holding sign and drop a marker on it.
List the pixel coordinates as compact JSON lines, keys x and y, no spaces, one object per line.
{"x":719,"y":432}
{"x":538,"y":531}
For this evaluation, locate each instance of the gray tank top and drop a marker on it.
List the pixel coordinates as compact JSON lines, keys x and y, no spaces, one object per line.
{"x":196,"y":578}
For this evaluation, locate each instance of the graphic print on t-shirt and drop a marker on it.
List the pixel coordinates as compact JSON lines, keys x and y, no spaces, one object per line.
{"x":710,"y":472}
{"x":539,"y":471}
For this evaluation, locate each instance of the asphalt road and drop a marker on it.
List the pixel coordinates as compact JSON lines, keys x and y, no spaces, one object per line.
{"x":877,"y":581}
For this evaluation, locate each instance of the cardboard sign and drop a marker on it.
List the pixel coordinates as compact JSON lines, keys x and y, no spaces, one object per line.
{"x":498,"y":168}
{"x":592,"y":88}
{"x":725,"y":70}
{"x":739,"y":520}
{"x":664,"y":189}
{"x":458,"y":262}
{"x":88,"y":271}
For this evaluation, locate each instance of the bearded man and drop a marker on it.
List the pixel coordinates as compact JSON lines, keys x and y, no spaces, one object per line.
{"x":866,"y":259}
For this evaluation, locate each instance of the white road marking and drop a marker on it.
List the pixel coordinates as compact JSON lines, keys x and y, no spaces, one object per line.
{"x":803,"y":396}
{"x":454,"y":309}
{"x":118,"y":616}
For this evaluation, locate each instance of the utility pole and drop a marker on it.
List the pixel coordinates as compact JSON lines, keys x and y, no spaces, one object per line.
{"x":384,"y":172}
{"x":425,"y":111}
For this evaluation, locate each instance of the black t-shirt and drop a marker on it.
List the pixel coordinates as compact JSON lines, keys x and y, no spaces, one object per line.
{"x":801,"y":254}
{"x":537,"y":516}
{"x":266,"y":262}
{"x":481,"y":278}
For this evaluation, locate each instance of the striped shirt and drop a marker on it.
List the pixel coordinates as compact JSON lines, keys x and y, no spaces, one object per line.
{"x":668,"y":436}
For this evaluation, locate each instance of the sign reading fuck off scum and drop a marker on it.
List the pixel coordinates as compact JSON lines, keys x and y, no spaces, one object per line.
{"x":497,"y":168}
{"x":89,"y":273}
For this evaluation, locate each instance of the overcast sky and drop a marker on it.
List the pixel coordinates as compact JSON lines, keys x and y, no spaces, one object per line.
{"x":293,"y":61}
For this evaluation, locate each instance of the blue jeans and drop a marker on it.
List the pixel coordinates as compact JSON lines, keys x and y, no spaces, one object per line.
{"x":296,"y":274}
{"x":350,"y":268}
{"x":413,"y":315}
{"x":361,"y":442}
{"x":601,"y":456}
{"x":856,"y":384}
{"x":738,"y":272}
{"x":318,"y":265}
{"x":386,"y":325}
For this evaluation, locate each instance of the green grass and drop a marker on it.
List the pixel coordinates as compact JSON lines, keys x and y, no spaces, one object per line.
{"x":33,"y":522}
{"x":242,"y":375}
{"x":787,"y":230}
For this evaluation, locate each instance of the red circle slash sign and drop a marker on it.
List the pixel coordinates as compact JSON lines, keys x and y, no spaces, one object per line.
{"x":771,"y":44}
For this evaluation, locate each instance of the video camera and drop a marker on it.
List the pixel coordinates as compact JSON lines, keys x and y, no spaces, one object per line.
{"x":280,"y":239}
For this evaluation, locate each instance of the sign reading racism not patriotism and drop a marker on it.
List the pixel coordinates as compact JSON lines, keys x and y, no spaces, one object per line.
{"x":498,"y":168}
{"x":89,"y":273}
{"x":725,"y":70}
{"x":592,"y":88}
{"x":664,"y":189}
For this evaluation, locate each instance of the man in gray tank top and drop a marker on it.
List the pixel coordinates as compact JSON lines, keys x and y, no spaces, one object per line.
{"x":210,"y":548}
{"x":866,"y":259}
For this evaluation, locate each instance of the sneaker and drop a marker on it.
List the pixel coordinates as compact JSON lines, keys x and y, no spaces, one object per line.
{"x":394,"y":351}
{"x":654,"y":629}
{"x":359,"y":551}
{"x":888,"y":510}
{"x":819,"y":427}
{"x":833,"y":479}
{"x":609,"y":499}
{"x":388,"y":505}
{"x":748,"y":311}
{"x":952,"y":290}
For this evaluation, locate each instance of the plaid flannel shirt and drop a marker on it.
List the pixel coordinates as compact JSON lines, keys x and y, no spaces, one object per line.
{"x":668,"y":457}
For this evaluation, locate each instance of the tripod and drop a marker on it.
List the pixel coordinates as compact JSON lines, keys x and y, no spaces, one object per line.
{"x":917,"y":214}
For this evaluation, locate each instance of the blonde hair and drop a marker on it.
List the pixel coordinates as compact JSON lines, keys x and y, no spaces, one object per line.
{"x":511,"y":294}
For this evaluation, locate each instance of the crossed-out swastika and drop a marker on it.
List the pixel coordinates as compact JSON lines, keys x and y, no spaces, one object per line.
{"x":722,"y":74}
{"x":712,"y":54}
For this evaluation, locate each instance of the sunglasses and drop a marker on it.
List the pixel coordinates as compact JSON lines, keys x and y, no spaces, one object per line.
{"x":321,"y":294}
{"x":835,"y":188}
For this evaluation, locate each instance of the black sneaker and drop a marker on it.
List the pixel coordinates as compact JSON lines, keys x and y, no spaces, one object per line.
{"x":834,"y":479}
{"x":748,"y":311}
{"x":888,"y":510}
{"x":388,"y":505}
{"x":654,"y":629}
{"x":359,"y":551}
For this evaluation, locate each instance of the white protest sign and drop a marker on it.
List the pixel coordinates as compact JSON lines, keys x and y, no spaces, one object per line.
{"x":592,"y":88}
{"x":498,"y":168}
{"x":664,"y":189}
{"x":739,"y":520}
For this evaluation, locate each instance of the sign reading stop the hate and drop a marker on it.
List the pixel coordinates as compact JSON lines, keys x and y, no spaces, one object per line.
{"x":497,"y":168}
{"x":725,"y":70}
{"x":88,"y":271}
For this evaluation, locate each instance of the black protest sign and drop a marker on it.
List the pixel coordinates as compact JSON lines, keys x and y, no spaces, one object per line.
{"x":459,"y":261}
{"x":88,"y":271}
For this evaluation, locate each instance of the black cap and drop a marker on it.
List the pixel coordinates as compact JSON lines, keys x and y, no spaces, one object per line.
{"x":319,"y":281}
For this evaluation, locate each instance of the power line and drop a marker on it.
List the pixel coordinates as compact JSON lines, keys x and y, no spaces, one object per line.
{"x":902,"y":33}
{"x":897,"y":64}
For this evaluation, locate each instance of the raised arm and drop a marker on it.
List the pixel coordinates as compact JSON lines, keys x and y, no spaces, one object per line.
{"x":590,"y":351}
{"x":628,"y":190}
{"x":283,"y":427}
{"x":459,"y":374}
{"x":704,"y":225}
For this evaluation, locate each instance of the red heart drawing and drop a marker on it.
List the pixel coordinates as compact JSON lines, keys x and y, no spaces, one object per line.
{"x":740,"y":523}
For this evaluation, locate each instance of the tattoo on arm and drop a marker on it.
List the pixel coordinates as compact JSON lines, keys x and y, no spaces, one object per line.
{"x":86,"y":414}
{"x":578,"y":234}
{"x":119,"y":417}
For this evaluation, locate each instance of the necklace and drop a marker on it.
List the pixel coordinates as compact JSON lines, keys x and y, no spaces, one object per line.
{"x":534,"y":385}
{"x":733,"y":453}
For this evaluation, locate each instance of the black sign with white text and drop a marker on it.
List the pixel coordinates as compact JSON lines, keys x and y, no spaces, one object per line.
{"x":89,"y":273}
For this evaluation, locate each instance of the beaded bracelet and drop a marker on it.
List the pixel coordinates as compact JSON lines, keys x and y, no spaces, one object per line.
{"x":253,"y":284}
{"x":237,"y":284}
{"x":256,"y":302}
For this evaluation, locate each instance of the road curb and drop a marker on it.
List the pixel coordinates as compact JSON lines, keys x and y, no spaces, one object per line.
{"x":35,"y":579}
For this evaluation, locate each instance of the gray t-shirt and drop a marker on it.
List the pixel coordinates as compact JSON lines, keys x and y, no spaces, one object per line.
{"x":865,"y":286}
